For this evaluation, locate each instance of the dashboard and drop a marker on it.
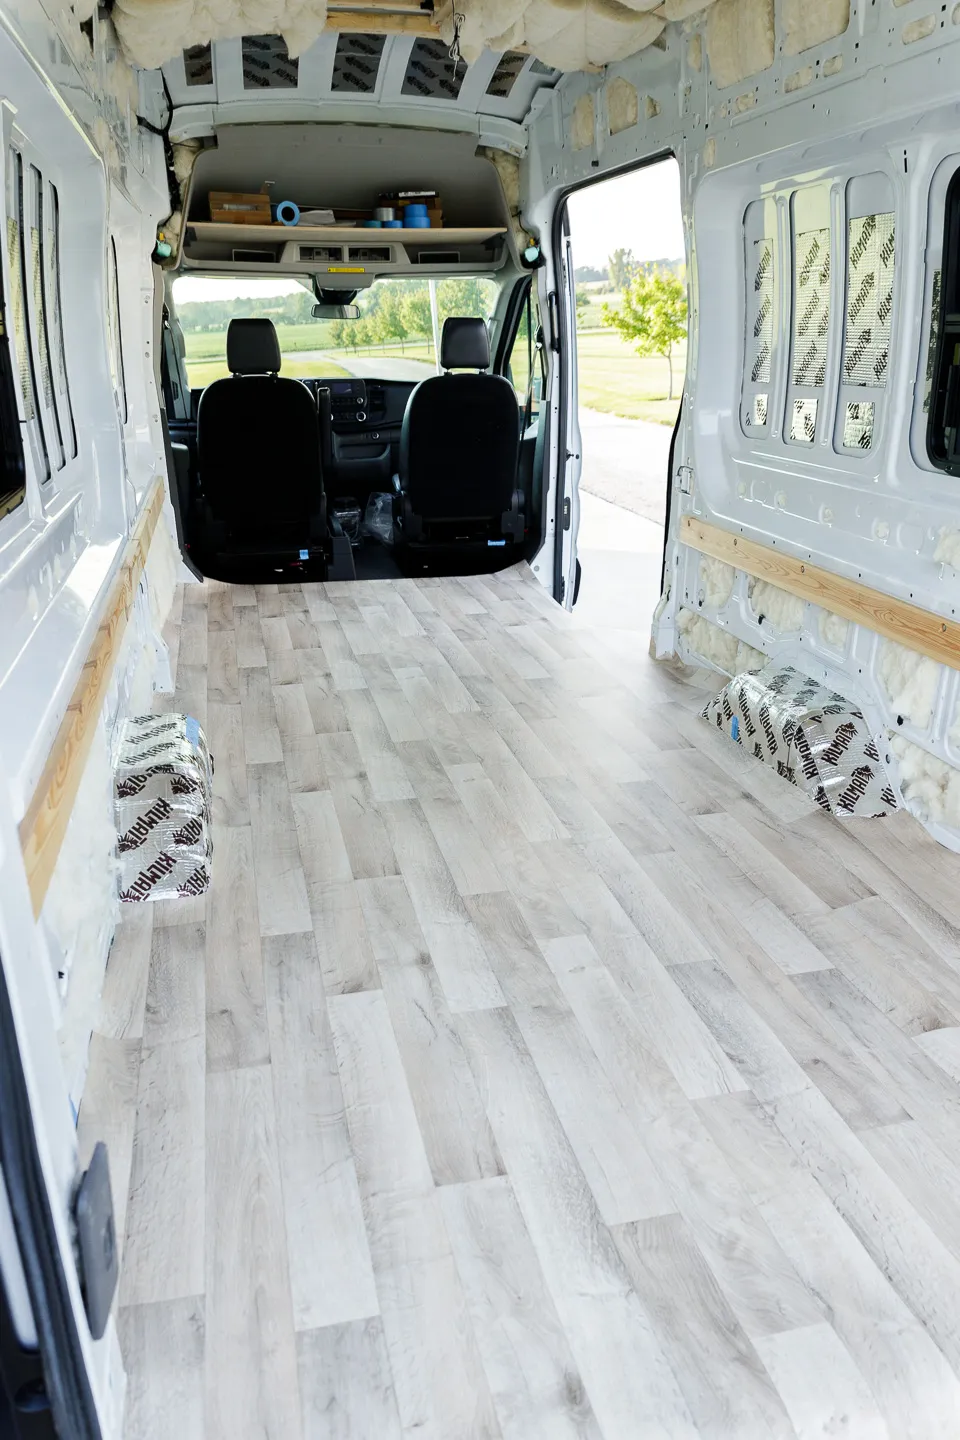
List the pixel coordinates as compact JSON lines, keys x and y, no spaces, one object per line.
{"x":366,"y":416}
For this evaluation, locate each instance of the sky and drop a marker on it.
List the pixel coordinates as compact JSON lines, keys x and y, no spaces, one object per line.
{"x":640,"y":212}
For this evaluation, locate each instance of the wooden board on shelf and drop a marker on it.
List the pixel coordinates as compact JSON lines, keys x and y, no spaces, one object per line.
{"x":209,"y":231}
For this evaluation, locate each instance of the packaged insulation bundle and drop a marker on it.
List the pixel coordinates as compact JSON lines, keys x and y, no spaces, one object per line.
{"x":814,"y":737}
{"x":163,"y":789}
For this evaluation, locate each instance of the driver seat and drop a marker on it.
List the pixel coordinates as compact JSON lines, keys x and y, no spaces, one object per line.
{"x":459,"y":448}
{"x":258,"y":439}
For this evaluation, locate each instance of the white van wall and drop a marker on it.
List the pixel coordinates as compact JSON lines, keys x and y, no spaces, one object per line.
{"x":859,"y":128}
{"x":92,"y":190}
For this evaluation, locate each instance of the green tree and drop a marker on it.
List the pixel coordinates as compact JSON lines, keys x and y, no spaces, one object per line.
{"x":416,"y":312}
{"x":652,"y":314}
{"x":621,"y":268}
{"x":583,"y":303}
{"x":337,"y":332}
{"x":390,"y":320}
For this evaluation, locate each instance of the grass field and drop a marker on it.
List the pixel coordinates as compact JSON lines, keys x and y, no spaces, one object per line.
{"x":613,"y":378}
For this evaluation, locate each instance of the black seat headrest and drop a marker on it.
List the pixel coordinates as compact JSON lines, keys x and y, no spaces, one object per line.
{"x":252,"y":348}
{"x":464,"y":344}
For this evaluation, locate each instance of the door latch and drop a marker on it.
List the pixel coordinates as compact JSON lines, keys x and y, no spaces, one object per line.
{"x":685,"y":479}
{"x":566,"y":512}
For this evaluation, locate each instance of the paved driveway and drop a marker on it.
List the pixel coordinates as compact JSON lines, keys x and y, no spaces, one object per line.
{"x":625,"y":462}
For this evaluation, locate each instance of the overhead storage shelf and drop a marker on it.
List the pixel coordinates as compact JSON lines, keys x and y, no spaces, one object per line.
{"x":211,"y":231}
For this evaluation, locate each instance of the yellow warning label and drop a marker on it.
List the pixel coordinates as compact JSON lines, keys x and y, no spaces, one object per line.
{"x":346,"y":270}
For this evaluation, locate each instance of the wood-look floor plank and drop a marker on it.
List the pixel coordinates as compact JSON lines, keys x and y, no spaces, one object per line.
{"x":330,"y":1272}
{"x":108,"y":1112}
{"x":261,"y":738}
{"x":163,"y":1354}
{"x":629,"y":1381}
{"x":452,"y":1121}
{"x":536,"y":1387}
{"x":281,"y":888}
{"x":438,"y":1375}
{"x":124,"y":997}
{"x":225,"y":739}
{"x":236,"y":1023}
{"x":700,"y":1334}
{"x":175,"y":1008}
{"x":163,"y":1258}
{"x":917,"y":1392}
{"x":346,"y":1385}
{"x":251,"y":1361}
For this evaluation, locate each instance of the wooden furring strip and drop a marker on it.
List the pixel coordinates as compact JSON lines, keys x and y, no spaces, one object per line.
{"x":921,"y":630}
{"x":44,"y":825}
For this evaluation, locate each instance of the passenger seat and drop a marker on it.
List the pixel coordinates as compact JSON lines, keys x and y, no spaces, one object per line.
{"x":459,"y":447}
{"x":258,"y":440}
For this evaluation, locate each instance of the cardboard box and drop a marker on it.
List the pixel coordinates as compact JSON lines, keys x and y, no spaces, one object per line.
{"x":233,"y":208}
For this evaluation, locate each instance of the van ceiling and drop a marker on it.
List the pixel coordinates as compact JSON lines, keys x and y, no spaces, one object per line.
{"x":399,"y":71}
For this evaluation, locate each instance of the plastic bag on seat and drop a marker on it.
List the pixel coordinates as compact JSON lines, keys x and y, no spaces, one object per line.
{"x":378,"y":518}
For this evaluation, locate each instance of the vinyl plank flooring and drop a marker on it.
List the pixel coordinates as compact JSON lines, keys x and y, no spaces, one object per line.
{"x":346,"y":1384}
{"x":225,"y":738}
{"x":124,"y":998}
{"x":438,"y":1375}
{"x":163,"y":1259}
{"x":628,"y":1379}
{"x":281,"y":888}
{"x":163,"y":1354}
{"x":251,"y":1361}
{"x":700,"y":1334}
{"x":236,"y":1022}
{"x":331,"y":1275}
{"x":537,"y":1065}
{"x":536,"y":1387}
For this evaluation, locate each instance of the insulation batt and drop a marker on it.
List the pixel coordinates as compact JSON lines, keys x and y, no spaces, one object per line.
{"x":930,"y":787}
{"x":834,"y":629}
{"x":711,"y":643}
{"x":716,"y":580}
{"x":567,"y":34}
{"x":948,"y":548}
{"x":910,"y":680}
{"x":780,"y":610}
{"x":151,"y":31}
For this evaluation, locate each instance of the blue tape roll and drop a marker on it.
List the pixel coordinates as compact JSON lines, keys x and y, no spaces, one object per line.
{"x":288,"y":213}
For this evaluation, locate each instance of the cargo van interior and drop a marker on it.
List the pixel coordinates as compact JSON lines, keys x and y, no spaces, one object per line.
{"x":455,"y":983}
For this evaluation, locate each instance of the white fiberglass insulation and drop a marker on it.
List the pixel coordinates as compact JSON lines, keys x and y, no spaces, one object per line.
{"x":152,"y":31}
{"x":930,"y":787}
{"x":948,"y":548}
{"x":716,"y":581}
{"x":834,"y":629}
{"x":910,"y":680}
{"x":777,"y":608}
{"x":702,"y":640}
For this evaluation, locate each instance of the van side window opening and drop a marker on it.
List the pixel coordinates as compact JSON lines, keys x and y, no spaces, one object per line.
{"x":17,"y":255}
{"x":48,"y":404}
{"x":51,"y":234}
{"x":811,"y":330}
{"x":868,"y":312}
{"x":12,"y":478}
{"x":943,"y":430}
{"x":116,"y":336}
{"x":760,"y":241}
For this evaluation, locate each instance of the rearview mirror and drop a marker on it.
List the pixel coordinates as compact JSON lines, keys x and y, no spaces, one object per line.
{"x":336,"y":312}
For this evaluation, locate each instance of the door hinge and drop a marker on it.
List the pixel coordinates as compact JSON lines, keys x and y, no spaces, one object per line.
{"x":685,"y":479}
{"x":566,"y":512}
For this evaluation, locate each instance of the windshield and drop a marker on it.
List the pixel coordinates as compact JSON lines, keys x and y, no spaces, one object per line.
{"x":395,"y":328}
